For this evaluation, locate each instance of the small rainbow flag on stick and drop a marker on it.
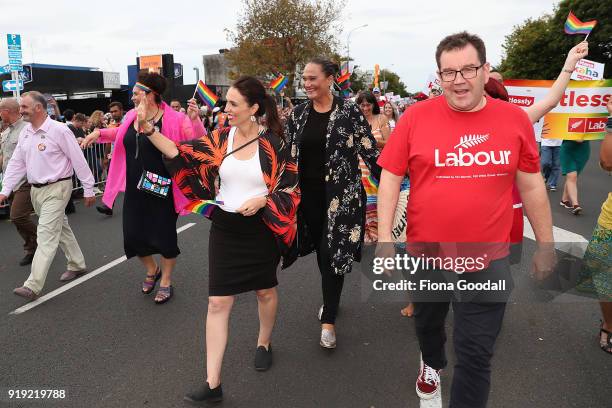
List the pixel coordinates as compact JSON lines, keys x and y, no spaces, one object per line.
{"x":203,"y":207}
{"x":279,"y":83}
{"x":575,"y":26}
{"x":207,"y":96}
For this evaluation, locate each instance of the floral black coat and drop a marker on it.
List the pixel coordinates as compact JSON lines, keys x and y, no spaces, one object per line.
{"x":348,"y":136}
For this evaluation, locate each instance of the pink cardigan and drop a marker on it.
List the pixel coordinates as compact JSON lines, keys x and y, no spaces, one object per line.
{"x":176,"y":126}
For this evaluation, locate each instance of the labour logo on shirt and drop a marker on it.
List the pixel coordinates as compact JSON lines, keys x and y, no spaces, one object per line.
{"x":461,"y":156}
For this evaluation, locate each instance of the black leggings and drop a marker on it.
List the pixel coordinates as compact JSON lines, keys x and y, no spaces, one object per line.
{"x":314,"y":210}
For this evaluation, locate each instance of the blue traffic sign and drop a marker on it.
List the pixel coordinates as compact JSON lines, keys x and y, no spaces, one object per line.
{"x":9,"y":86}
{"x":4,"y":69}
{"x":13,"y":40}
{"x":14,"y":54}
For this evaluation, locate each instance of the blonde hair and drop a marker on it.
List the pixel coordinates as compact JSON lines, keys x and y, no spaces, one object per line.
{"x":97,"y":119}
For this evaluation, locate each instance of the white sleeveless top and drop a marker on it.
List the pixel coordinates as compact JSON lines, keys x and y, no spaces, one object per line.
{"x":241,"y":180}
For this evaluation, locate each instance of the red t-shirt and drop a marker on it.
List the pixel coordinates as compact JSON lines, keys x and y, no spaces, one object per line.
{"x":462,"y":166}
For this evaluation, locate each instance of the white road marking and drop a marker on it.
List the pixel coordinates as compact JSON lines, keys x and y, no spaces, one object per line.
{"x":566,"y":241}
{"x":80,"y":280}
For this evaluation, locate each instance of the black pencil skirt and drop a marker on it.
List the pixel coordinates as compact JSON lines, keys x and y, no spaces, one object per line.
{"x":242,"y":253}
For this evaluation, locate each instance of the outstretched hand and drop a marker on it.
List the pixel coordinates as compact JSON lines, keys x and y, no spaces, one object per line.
{"x":577,"y":53}
{"x":192,"y":110}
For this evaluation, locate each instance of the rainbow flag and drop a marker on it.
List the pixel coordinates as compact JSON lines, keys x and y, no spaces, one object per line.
{"x":203,"y":207}
{"x":344,"y":68}
{"x":575,"y":26}
{"x":207,"y":96}
{"x":343,"y":81}
{"x":279,"y":83}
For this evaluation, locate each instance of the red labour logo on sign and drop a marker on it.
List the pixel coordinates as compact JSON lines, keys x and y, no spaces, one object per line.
{"x":586,"y":125}
{"x":576,"y":125}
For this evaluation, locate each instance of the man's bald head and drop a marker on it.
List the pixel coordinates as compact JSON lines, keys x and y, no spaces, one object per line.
{"x":9,"y":110}
{"x":9,"y":104}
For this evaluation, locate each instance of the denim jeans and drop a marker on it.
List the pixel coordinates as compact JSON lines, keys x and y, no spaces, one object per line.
{"x":551,"y":164}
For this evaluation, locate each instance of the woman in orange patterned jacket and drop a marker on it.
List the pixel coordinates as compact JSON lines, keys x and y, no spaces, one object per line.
{"x":254,"y":222}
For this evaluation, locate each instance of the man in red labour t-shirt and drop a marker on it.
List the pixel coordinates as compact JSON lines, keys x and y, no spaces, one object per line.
{"x":463,"y":153}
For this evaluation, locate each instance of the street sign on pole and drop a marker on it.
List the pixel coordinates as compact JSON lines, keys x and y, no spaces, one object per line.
{"x":15,"y":64}
{"x":12,"y":85}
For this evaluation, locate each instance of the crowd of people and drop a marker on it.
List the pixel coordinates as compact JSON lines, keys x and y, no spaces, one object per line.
{"x":329,"y":175}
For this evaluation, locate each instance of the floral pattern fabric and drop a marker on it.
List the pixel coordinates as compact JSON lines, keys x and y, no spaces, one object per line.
{"x":348,"y":137}
{"x":196,"y":170}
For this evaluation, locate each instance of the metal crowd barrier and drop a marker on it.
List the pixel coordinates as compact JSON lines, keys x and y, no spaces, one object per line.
{"x":98,"y":162}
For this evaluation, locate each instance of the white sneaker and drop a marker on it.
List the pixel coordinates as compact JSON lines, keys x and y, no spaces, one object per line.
{"x":97,"y":191}
{"x":328,"y":339}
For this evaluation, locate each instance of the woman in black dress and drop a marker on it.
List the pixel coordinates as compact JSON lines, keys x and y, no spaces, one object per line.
{"x":149,"y":220}
{"x":255,"y":224}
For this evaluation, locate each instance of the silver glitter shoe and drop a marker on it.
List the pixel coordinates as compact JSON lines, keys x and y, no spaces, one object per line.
{"x":328,"y":339}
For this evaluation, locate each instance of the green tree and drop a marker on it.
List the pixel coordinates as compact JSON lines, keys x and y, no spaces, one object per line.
{"x":395,"y":85}
{"x":279,"y":36}
{"x":537,"y":48}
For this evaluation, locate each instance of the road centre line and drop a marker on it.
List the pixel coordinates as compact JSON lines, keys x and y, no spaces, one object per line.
{"x":80,"y":280}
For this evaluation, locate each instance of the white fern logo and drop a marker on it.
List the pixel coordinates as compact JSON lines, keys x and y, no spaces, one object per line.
{"x":472,"y":140}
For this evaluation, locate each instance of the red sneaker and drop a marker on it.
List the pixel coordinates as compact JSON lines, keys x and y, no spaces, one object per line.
{"x":428,"y":382}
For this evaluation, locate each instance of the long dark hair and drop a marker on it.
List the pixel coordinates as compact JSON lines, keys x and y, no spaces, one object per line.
{"x":368,"y":97}
{"x":255,"y":93}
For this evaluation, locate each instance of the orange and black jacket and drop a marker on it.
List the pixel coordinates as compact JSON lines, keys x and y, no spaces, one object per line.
{"x":196,"y":170}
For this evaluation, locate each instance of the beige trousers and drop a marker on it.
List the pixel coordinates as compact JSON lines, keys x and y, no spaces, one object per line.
{"x":53,"y":230}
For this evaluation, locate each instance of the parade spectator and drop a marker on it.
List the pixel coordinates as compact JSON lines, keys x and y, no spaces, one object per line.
{"x":47,"y":153}
{"x":68,"y":115}
{"x":149,"y":220}
{"x":496,"y":75}
{"x":379,"y":126}
{"x":21,"y":203}
{"x":176,"y":105}
{"x":440,"y":229}
{"x":390,"y":111}
{"x":329,"y":134}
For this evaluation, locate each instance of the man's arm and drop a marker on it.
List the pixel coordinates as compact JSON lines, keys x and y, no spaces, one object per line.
{"x":535,"y":202}
{"x":388,"y":194}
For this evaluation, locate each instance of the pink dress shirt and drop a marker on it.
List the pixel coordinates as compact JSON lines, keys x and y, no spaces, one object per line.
{"x":176,"y":126}
{"x":47,"y":155}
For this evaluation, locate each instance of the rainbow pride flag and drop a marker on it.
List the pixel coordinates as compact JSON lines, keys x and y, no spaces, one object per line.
{"x":279,"y":83}
{"x":203,"y":207}
{"x":207,"y":96}
{"x":575,"y":26}
{"x":344,"y":82}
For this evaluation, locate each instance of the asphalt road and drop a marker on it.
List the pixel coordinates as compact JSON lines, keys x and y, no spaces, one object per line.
{"x":107,"y":345}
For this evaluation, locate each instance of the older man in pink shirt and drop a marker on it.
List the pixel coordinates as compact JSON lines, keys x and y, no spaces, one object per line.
{"x":47,"y":154}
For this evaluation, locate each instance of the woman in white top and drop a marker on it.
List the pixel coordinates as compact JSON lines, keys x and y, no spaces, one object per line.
{"x":255,"y":223}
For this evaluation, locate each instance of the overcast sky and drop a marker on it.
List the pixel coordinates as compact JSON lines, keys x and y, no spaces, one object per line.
{"x":400,"y":36}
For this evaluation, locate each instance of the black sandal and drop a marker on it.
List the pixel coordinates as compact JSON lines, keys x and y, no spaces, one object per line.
{"x":150,"y":281}
{"x":607,"y":346}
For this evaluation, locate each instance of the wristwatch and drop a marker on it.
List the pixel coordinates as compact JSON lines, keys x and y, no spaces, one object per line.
{"x":150,"y":132}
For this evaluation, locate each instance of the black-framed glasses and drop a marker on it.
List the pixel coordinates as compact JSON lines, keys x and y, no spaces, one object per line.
{"x":466,"y":73}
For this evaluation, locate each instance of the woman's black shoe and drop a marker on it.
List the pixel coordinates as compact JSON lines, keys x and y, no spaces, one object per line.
{"x":263,"y":358}
{"x":204,"y":395}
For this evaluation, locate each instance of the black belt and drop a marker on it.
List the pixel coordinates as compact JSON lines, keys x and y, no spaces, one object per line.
{"x":50,"y":182}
